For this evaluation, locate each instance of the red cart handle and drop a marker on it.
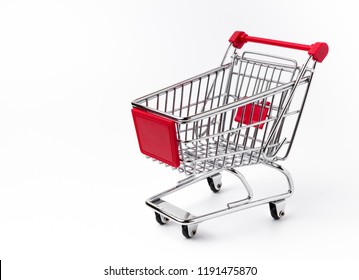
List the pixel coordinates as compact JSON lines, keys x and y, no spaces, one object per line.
{"x":318,"y":50}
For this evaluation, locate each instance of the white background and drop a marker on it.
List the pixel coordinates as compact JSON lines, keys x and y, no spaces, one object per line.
{"x":73,"y":182}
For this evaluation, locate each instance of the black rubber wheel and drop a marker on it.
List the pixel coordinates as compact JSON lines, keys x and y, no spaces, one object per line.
{"x":159,"y":219}
{"x":213,"y":188}
{"x":274,"y":212}
{"x":185,"y":232}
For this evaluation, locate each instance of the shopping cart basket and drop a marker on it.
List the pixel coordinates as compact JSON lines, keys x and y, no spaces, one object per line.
{"x":244,"y":112}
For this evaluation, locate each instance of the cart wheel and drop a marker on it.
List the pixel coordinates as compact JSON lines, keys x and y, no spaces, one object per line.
{"x":160,"y":219}
{"x":215,"y":182}
{"x":277,"y":209}
{"x":189,"y":231}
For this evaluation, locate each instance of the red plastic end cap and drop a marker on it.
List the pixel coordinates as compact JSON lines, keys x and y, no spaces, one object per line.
{"x":156,"y":136}
{"x":238,"y":39}
{"x":319,"y":51}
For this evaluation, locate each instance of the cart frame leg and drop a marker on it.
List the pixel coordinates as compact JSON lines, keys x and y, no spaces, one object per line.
{"x":183,"y":217}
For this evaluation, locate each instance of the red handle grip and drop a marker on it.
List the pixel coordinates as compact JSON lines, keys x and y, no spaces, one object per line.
{"x":318,"y":50}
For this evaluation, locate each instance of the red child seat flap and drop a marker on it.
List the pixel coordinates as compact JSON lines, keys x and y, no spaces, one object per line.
{"x":258,"y":113}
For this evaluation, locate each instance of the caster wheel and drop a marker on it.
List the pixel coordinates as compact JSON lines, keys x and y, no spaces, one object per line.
{"x":189,"y":231}
{"x":215,"y":182}
{"x":277,"y":209}
{"x":160,"y":219}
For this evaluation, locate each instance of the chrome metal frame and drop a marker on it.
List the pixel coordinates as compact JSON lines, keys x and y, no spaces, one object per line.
{"x":203,"y":108}
{"x":183,"y":217}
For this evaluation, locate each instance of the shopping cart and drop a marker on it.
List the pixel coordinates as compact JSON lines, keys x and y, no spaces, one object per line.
{"x":244,"y":112}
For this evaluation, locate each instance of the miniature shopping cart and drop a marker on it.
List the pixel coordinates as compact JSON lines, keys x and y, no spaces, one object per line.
{"x":244,"y":112}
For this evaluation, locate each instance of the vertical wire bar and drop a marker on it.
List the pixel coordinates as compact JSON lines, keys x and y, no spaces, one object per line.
{"x":214,"y":89}
{"x":205,"y":99}
{"x":195,"y":150}
{"x":221,"y":87}
{"x":198,"y":94}
{"x":189,"y":98}
{"x":157,"y":101}
{"x":188,"y":108}
{"x":219,"y":98}
{"x":222,"y":130}
{"x":181,"y":102}
{"x":166,"y":99}
{"x":207,"y":144}
{"x":282,"y":98}
{"x":200,"y":130}
{"x":174,"y":101}
{"x":195,"y":109}
{"x":181,"y":148}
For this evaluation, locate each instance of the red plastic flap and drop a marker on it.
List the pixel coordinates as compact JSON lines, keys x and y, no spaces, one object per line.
{"x":156,"y":136}
{"x":255,"y":112}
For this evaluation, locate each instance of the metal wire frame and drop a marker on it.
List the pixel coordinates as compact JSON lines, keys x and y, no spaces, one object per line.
{"x":204,"y":108}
